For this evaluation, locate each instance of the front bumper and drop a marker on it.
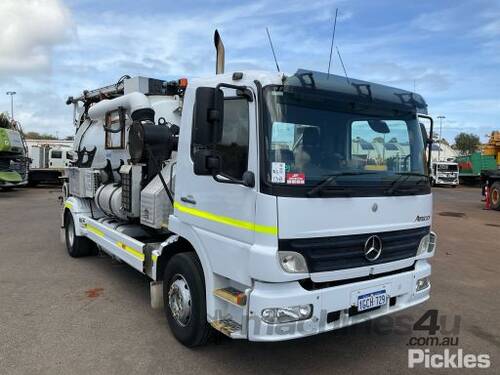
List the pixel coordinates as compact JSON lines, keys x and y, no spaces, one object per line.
{"x":331,"y":300}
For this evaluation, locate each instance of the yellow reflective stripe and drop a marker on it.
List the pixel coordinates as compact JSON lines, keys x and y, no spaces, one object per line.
{"x":68,"y":204}
{"x":154,"y":258}
{"x":94,"y":230}
{"x":130,"y":250}
{"x":227,"y":220}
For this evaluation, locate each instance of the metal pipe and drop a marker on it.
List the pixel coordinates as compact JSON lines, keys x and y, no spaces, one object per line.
{"x":440,"y":135}
{"x":11,"y":93}
{"x":132,"y":102}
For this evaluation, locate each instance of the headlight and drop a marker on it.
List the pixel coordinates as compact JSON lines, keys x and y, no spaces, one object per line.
{"x":424,"y":244}
{"x":292,"y":262}
{"x":427,"y":244}
{"x":432,"y":242}
{"x":274,"y":315}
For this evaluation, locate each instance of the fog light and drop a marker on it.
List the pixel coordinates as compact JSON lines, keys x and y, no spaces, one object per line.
{"x":423,"y":283}
{"x":274,"y":315}
{"x":292,"y":262}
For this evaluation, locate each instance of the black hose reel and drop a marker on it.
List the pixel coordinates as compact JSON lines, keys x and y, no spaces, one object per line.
{"x":151,"y":144}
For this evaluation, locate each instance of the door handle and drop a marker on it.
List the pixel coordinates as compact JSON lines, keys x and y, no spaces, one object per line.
{"x":189,"y":199}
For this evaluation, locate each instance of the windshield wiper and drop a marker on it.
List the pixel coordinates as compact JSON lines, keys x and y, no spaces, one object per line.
{"x":331,"y":179}
{"x":403,"y":177}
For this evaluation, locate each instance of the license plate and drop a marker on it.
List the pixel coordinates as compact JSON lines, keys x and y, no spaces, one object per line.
{"x":372,"y":300}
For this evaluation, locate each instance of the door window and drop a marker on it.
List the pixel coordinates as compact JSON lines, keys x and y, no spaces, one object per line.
{"x":56,"y":154}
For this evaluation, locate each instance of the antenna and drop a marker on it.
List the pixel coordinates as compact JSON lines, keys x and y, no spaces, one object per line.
{"x":272,"y":49}
{"x":343,"y":66}
{"x":333,"y":39}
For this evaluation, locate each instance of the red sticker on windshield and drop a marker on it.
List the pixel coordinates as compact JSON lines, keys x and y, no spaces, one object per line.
{"x":295,"y":178}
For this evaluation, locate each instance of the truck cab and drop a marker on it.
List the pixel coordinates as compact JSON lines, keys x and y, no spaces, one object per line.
{"x":271,"y":221}
{"x":445,"y":173}
{"x":13,"y":158}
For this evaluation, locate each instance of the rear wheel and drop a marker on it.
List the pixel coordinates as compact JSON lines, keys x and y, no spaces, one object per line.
{"x":185,"y":300}
{"x":495,"y":196}
{"x":77,"y":246}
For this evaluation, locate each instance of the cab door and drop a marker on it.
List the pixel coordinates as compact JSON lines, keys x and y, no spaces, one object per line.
{"x":222,"y":214}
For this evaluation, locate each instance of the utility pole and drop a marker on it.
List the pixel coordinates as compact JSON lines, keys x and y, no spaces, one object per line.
{"x":11,"y":93}
{"x":440,"y":134}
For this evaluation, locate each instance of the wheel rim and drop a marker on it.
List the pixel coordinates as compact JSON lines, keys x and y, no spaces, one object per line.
{"x":70,"y":233}
{"x":495,"y":196}
{"x":179,"y":300}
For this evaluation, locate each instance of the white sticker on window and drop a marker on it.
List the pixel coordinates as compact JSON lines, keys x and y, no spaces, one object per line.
{"x":278,"y":173}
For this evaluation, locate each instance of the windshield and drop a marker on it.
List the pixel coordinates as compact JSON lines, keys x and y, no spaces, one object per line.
{"x":309,"y":144}
{"x":447,"y":167}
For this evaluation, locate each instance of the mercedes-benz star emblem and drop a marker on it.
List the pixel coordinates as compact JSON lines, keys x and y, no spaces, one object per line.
{"x":373,"y":248}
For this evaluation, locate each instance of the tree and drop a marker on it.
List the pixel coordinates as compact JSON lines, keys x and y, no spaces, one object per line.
{"x":36,"y":135}
{"x":444,"y":142}
{"x":467,"y":143}
{"x":4,"y":121}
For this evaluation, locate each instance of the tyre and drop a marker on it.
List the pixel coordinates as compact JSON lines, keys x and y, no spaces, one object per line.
{"x":495,"y":196}
{"x":77,"y":246}
{"x":185,"y":300}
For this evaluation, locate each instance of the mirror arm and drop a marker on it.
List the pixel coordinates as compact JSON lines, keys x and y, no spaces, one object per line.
{"x":248,"y":182}
{"x":227,"y":179}
{"x":240,"y":90}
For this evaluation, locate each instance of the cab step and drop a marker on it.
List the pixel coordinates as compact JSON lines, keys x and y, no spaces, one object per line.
{"x":227,"y":326}
{"x":232,"y":295}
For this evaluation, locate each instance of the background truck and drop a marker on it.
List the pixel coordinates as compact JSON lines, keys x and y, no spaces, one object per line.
{"x":444,"y":173}
{"x":491,"y":177}
{"x":241,"y":196}
{"x":13,"y":158}
{"x":48,"y":160}
{"x":471,"y":166}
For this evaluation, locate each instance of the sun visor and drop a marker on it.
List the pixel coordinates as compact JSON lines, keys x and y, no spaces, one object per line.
{"x":354,"y":92}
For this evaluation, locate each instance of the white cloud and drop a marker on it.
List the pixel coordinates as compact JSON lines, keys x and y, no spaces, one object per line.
{"x":28,"y":32}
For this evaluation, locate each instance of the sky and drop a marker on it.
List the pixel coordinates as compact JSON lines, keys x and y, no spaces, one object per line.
{"x":447,"y":51}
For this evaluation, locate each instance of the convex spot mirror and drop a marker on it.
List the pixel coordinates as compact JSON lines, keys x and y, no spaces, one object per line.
{"x":379,"y":126}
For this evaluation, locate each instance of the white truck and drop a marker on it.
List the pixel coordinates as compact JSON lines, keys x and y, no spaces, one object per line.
{"x":48,"y":160}
{"x":240,"y":196}
{"x":444,"y":173}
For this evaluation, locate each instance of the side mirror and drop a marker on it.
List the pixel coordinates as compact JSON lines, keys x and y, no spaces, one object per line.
{"x":426,"y":138}
{"x":206,"y":162}
{"x":208,"y":116}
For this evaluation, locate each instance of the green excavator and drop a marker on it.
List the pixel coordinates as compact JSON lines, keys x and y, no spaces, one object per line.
{"x":13,"y":154}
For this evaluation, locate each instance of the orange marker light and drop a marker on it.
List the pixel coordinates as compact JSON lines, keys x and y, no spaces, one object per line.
{"x":183,"y":82}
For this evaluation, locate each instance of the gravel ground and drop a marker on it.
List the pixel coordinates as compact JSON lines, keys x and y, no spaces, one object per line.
{"x":60,"y":315}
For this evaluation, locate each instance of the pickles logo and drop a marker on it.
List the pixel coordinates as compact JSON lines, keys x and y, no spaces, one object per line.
{"x":422,"y":218}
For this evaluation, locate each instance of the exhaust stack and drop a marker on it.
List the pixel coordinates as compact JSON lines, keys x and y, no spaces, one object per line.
{"x":219,"y":47}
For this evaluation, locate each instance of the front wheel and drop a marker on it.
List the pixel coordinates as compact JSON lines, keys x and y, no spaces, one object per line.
{"x":77,"y":246}
{"x":185,"y":300}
